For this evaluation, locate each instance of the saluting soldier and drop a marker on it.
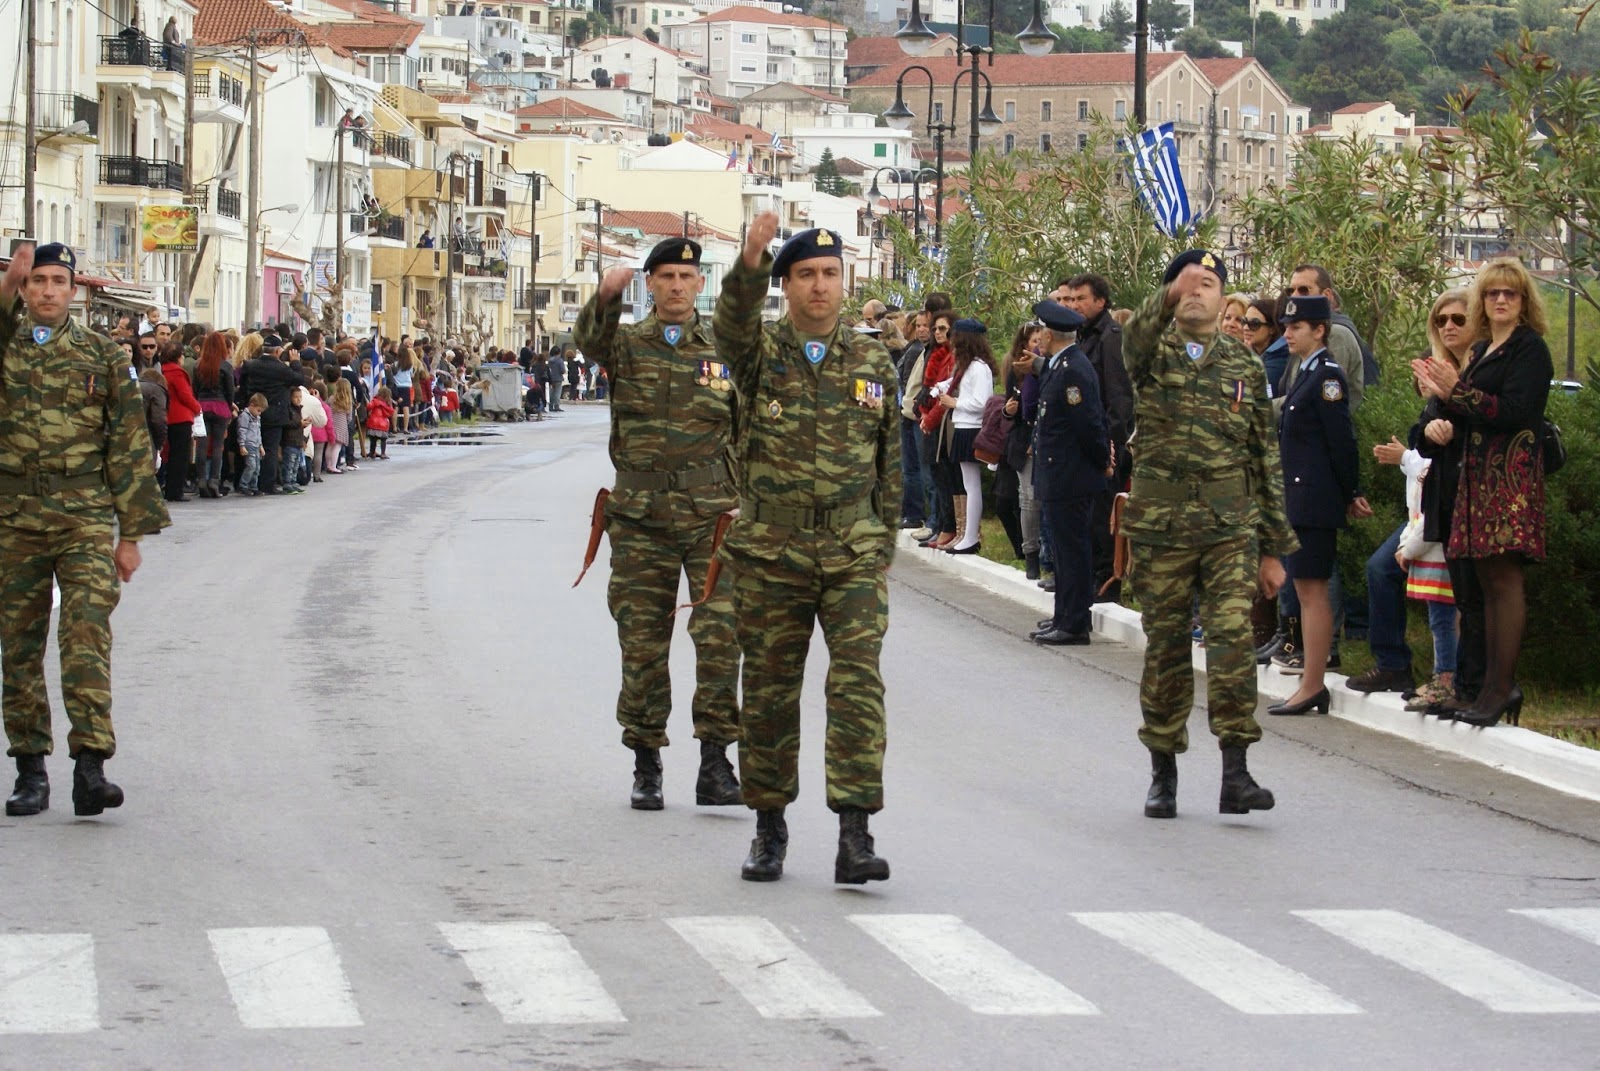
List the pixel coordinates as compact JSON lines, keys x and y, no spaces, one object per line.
{"x":1204,"y":517}
{"x":77,"y":493}
{"x":819,"y":495}
{"x":672,"y":413}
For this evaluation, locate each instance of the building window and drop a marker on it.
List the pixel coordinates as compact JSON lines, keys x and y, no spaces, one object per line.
{"x":1177,"y":111}
{"x":1011,"y":144}
{"x":1083,"y":142}
{"x":1272,"y":156}
{"x":747,"y":39}
{"x":633,"y":16}
{"x":1011,"y":111}
{"x":938,"y":111}
{"x":569,"y":295}
{"x":1226,"y":116}
{"x":1224,"y":152}
{"x":1299,"y":123}
{"x":1200,"y":114}
{"x":541,"y":298}
{"x":655,"y":17}
{"x":1044,"y":143}
{"x":880,"y":149}
{"x":1119,"y":111}
{"x":377,"y":297}
{"x":1044,"y":111}
{"x":1083,"y":111}
{"x":1249,"y":153}
{"x":1160,"y":110}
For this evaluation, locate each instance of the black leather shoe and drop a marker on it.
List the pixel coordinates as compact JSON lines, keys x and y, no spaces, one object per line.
{"x":646,"y":780}
{"x":32,"y":792}
{"x":1049,"y":582}
{"x":1378,"y":679}
{"x":974,"y":549}
{"x":1319,"y":702}
{"x":91,"y":792}
{"x":716,"y":786}
{"x":856,"y":863}
{"x":1240,"y":793}
{"x":1162,"y":802}
{"x":1045,"y":625}
{"x":1060,"y":637}
{"x":765,"y":861}
{"x":1030,"y":564}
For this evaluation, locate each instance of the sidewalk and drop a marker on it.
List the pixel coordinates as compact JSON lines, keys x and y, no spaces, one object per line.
{"x":1522,"y":752}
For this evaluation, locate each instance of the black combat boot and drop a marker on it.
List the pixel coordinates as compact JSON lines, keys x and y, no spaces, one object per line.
{"x":1240,"y":793}
{"x":32,"y":793}
{"x":1032,"y":563}
{"x":1162,"y":802}
{"x":855,"y":864}
{"x":646,"y":779}
{"x":716,"y":786}
{"x":91,"y":792}
{"x":765,"y":861}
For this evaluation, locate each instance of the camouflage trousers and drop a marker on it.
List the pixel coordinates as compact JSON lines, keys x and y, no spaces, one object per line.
{"x":79,"y":560}
{"x":1166,"y":582}
{"x":777,"y":609}
{"x":645,"y":566}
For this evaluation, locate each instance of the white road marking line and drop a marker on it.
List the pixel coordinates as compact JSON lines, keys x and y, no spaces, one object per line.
{"x":1233,"y":973}
{"x":1581,"y":922}
{"x":284,"y":977}
{"x":769,"y":970}
{"x":47,"y":984}
{"x":531,"y":973}
{"x":971,"y":969}
{"x":1493,"y":980}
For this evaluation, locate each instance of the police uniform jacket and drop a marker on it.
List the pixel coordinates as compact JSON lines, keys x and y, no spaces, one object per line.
{"x":1070,"y":447}
{"x":1317,"y":439}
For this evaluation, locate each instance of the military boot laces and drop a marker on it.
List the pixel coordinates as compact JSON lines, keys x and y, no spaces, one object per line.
{"x":856,"y":865}
{"x":716,"y":785}
{"x":32,"y":792}
{"x":765,"y":861}
{"x":1240,"y":793}
{"x":91,"y":792}
{"x":1162,"y":802}
{"x":646,"y":779}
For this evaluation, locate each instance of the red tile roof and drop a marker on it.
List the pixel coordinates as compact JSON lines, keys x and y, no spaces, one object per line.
{"x":368,"y":11}
{"x":709,"y":126}
{"x":768,"y":18}
{"x":565,"y":108}
{"x":372,"y":36}
{"x":1222,"y":71}
{"x":664,"y":224}
{"x":1362,"y":108}
{"x":881,"y":51}
{"x":227,"y":22}
{"x":1065,"y":69}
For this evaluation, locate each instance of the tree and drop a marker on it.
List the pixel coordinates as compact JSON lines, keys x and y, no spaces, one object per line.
{"x":827,"y":176}
{"x":1083,"y":39}
{"x":1199,"y":44}
{"x":1117,"y":22}
{"x":651,"y":35}
{"x":1167,"y":18}
{"x":1464,"y":38}
{"x":1407,"y":52}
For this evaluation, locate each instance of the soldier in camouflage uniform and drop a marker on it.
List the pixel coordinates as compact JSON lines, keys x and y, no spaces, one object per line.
{"x":819,"y":495}
{"x":1205,"y":516}
{"x":74,"y":456}
{"x":672,"y":414}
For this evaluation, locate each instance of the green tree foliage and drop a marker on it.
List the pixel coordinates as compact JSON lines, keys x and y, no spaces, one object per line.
{"x":1083,"y":39}
{"x":1117,"y":21}
{"x":1199,"y":44}
{"x":827,"y":176}
{"x":1464,"y":38}
{"x":1167,"y":20}
{"x":1408,"y":54}
{"x":1344,"y":60}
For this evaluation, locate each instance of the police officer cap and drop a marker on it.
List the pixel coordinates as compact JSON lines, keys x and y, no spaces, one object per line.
{"x":816,"y":242}
{"x":970,"y":325}
{"x":270,"y":341}
{"x":1057,"y":317}
{"x":54,"y":254}
{"x":1316,"y":309}
{"x":673,"y":251}
{"x":1205,"y":258}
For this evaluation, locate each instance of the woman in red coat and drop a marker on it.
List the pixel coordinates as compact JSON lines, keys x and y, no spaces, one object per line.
{"x":1496,"y":409}
{"x":936,"y":372}
{"x":182,"y":408}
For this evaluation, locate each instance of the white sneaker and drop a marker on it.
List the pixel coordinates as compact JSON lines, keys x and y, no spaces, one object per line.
{"x":921,"y":533}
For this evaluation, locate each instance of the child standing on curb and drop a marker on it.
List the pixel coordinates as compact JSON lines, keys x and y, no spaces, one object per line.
{"x":250,"y":445}
{"x":380,"y":411}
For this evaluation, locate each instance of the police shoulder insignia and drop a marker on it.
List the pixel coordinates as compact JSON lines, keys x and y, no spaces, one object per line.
{"x":1195,"y":350}
{"x":1074,"y":396}
{"x":815,"y":350}
{"x":1332,"y":390}
{"x":41,"y":334}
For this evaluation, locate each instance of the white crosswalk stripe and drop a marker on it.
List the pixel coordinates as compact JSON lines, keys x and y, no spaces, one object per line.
{"x":1581,"y":922}
{"x":284,"y":976}
{"x":971,"y":969}
{"x":531,"y":973}
{"x":1234,"y":974}
{"x":47,"y":984}
{"x":1498,"y":983}
{"x":769,"y":970}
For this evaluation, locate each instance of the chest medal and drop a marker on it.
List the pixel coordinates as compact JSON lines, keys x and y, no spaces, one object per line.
{"x":774,"y":409}
{"x":1195,"y":350}
{"x":41,"y":335}
{"x":672,"y":333}
{"x":869,"y":394}
{"x":815,"y":351}
{"x":714,"y":375}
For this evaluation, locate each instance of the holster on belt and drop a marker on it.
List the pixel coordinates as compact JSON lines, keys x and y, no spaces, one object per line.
{"x":714,"y":570}
{"x":1121,"y":552}
{"x":597,"y":527}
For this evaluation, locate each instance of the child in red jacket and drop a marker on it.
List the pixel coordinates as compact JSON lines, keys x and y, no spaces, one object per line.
{"x":380,"y":411}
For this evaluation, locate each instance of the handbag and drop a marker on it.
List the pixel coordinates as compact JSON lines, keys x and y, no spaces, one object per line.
{"x":1555,"y":451}
{"x":200,"y":427}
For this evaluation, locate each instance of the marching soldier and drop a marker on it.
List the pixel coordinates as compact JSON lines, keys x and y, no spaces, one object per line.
{"x":819,"y":496}
{"x":672,"y":414}
{"x":1205,"y":516}
{"x":74,"y":458}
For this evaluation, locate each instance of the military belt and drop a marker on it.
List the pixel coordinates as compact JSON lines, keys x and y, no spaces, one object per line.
{"x":48,"y":483}
{"x":833,"y":517}
{"x":680,"y":480}
{"x":1187,"y":490}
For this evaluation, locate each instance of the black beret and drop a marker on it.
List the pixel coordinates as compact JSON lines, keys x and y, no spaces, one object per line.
{"x":673,"y":251}
{"x":816,"y":242}
{"x":1057,"y":316}
{"x":969,"y":325}
{"x":269,"y":341}
{"x":54,"y":253}
{"x":1205,"y":258}
{"x":1316,"y":309}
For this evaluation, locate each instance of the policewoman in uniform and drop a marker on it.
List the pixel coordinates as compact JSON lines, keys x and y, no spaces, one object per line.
{"x":1321,"y":471}
{"x":1071,"y":452}
{"x":819,"y":500}
{"x":672,"y":413}
{"x":77,"y":493}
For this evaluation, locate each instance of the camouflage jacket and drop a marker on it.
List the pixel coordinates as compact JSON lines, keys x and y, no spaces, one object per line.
{"x":672,"y":411}
{"x":820,"y":439}
{"x":1205,"y":456}
{"x":74,"y":449}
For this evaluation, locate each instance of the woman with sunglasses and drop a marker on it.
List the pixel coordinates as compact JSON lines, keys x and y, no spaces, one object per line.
{"x":1496,"y":409}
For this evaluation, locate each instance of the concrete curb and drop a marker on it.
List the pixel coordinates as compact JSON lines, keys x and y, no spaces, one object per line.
{"x":1521,"y":752}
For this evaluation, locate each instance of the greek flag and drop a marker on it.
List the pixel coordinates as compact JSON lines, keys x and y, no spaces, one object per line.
{"x":1158,"y":178}
{"x":777,"y":142}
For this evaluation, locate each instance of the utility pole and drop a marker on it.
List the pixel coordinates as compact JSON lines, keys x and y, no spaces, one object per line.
{"x":30,"y":131}
{"x":1141,"y":58}
{"x":338,"y":207}
{"x":686,"y":223}
{"x":186,"y":280}
{"x":450,"y":248}
{"x":534,"y":191}
{"x":599,"y":233}
{"x":252,"y":234}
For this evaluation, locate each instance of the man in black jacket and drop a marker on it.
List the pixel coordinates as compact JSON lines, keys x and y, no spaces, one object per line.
{"x":267,"y":375}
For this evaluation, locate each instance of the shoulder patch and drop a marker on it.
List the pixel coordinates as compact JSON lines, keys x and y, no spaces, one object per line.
{"x":1332,"y":390}
{"x":1074,"y":396}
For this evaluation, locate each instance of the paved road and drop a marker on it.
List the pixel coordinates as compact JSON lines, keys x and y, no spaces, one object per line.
{"x":378,"y":818}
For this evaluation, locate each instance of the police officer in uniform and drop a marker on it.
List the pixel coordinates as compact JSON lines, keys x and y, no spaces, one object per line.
{"x":77,"y":493}
{"x":672,"y":412}
{"x":819,"y":501}
{"x":1321,"y":472}
{"x":1204,"y":517}
{"x":1071,"y":452}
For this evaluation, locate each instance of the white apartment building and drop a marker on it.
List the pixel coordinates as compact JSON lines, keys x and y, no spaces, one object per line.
{"x":637,"y":16}
{"x":1088,"y":13}
{"x":1298,"y":13}
{"x":675,"y":88}
{"x":746,"y":48}
{"x":853,"y":136}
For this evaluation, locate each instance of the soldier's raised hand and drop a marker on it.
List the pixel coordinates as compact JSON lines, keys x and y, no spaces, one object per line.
{"x":17,"y":273}
{"x":613,"y":283}
{"x":758,"y":236}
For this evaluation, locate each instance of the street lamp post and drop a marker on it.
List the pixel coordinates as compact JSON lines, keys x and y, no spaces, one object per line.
{"x":916,"y":194}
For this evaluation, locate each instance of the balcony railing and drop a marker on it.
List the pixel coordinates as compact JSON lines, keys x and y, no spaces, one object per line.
{"x":497,"y":196}
{"x":137,"y":171}
{"x":392,"y":227}
{"x":360,"y":139}
{"x":133,"y":49}
{"x":392,"y":146}
{"x":57,"y":111}
{"x":522,"y":300}
{"x":228,"y":203}
{"x":359,"y":223}
{"x":224,"y":89}
{"x":467,"y":243}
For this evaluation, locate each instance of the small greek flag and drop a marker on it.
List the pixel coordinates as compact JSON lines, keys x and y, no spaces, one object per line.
{"x":777,"y":142}
{"x":1158,"y":178}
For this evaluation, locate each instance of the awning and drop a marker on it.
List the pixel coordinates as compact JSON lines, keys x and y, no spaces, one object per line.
{"x":125,"y":297}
